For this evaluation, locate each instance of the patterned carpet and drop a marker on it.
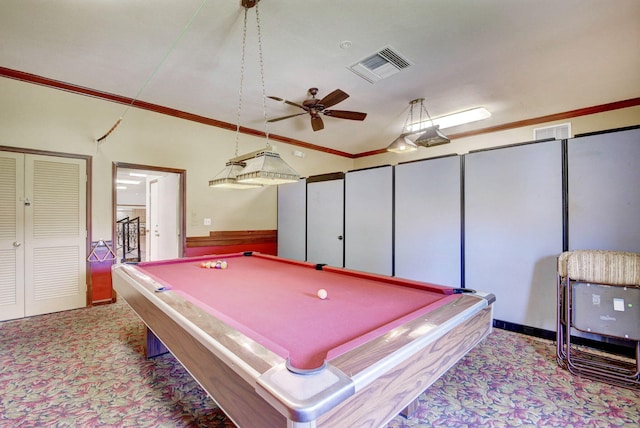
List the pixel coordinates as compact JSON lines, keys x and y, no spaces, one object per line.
{"x":84,"y":368}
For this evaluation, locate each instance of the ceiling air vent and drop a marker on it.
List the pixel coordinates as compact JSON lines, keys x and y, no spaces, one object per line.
{"x":380,"y":65}
{"x":557,"y":132}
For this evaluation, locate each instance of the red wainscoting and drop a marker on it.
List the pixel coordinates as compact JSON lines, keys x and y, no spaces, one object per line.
{"x":263,"y":241}
{"x":100,"y":261}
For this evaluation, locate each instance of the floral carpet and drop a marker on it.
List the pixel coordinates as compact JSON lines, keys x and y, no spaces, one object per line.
{"x":84,"y":368}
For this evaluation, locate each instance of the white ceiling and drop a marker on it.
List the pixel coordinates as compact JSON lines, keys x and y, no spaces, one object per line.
{"x":518,"y":58}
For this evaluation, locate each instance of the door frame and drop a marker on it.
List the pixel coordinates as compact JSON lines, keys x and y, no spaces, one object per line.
{"x":182,"y":250}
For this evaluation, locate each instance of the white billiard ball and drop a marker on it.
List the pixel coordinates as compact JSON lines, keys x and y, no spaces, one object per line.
{"x":322,"y":293}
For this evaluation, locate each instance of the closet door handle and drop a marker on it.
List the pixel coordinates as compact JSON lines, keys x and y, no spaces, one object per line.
{"x":17,"y":244}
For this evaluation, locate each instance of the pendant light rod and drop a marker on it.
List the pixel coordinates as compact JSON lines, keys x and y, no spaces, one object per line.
{"x":264,"y":166}
{"x":264,"y":91}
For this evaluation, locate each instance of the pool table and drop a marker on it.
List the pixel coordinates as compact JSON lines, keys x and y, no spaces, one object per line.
{"x":271,"y":352}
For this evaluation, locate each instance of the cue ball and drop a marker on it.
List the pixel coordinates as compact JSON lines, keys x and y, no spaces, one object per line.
{"x":322,"y":293}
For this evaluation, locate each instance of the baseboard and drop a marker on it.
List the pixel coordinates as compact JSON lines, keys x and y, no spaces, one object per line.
{"x":607,"y":344}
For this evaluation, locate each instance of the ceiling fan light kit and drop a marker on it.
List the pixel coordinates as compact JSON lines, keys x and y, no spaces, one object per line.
{"x":262,"y":167}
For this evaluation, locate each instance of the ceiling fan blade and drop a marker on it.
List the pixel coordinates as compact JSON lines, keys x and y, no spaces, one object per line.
{"x":343,"y":114}
{"x":285,"y":117}
{"x":282,"y":100}
{"x":316,"y":123}
{"x":334,"y":98}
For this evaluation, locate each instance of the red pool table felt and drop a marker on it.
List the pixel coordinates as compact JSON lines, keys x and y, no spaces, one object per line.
{"x":274,"y":302}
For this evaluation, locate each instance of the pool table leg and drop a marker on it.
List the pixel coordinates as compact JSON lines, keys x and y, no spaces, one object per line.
{"x":153,"y":347}
{"x":408,"y":411}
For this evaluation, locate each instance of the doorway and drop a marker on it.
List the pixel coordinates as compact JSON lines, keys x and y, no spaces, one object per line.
{"x":149,"y":207}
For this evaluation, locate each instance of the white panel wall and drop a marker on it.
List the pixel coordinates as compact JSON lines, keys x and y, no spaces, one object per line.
{"x":292,"y":220}
{"x":427,"y":221}
{"x":369,"y":220}
{"x":604,"y":191}
{"x":511,"y":224}
{"x":513,"y":229}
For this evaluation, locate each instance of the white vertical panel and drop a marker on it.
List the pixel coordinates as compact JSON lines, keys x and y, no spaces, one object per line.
{"x":55,"y":234}
{"x":11,"y":235}
{"x":325,"y":222}
{"x":428,"y":223}
{"x":604,"y":191}
{"x":292,"y":218}
{"x":369,"y":220}
{"x":513,"y":229}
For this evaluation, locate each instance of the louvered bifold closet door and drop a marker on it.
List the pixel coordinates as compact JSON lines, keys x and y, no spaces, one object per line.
{"x":55,"y":231}
{"x":11,"y":236}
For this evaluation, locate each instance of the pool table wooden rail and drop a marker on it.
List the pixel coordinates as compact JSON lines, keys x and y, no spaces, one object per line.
{"x":232,"y":367}
{"x":397,"y":390}
{"x":180,"y":325}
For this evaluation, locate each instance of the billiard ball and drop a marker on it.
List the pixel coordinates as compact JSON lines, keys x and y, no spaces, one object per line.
{"x":322,"y":293}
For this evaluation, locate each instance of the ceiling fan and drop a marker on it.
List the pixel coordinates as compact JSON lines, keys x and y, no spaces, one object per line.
{"x":315,"y":107}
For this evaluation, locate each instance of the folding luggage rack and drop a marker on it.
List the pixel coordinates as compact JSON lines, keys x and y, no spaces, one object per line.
{"x":599,"y":294}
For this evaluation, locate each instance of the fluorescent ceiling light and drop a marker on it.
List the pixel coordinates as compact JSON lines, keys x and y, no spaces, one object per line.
{"x":121,"y":187}
{"x":451,"y":120}
{"x":121,"y":181}
{"x":137,"y":174}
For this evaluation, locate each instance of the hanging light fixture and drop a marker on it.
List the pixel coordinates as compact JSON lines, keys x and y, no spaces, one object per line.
{"x":265,"y":167}
{"x":262,"y":167}
{"x":403,"y":144}
{"x":431,"y":136}
{"x":228,"y":177}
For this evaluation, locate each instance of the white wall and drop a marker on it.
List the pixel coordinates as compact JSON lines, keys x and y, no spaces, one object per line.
{"x":579,"y":125}
{"x":41,"y":118}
